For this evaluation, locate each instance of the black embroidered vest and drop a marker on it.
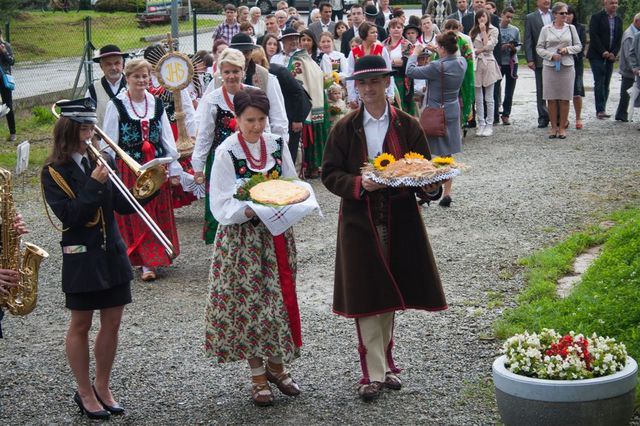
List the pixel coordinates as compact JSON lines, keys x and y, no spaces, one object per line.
{"x":243,"y":171}
{"x":130,"y":132}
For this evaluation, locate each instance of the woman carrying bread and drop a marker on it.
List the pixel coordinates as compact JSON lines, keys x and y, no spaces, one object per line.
{"x":252,"y":311}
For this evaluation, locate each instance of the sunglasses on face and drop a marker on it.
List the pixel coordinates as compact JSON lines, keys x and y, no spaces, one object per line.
{"x":561,"y":13}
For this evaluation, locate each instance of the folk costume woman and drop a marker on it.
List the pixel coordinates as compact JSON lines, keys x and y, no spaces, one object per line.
{"x":152,"y":54}
{"x":316,"y":126}
{"x":370,"y":46}
{"x":96,"y":272}
{"x":137,"y":122}
{"x":337,"y":59}
{"x":467,"y":91}
{"x":399,"y":49}
{"x":252,"y":312}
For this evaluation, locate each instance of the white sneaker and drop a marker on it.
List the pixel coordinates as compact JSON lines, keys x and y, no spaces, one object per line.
{"x":488,"y":130}
{"x":480,"y":130}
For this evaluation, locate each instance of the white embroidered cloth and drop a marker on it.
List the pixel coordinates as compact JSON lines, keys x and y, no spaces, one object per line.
{"x":279,"y":219}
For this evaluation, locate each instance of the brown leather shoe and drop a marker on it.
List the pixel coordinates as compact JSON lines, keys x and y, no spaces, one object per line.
{"x":391,"y":381}
{"x":370,"y":391}
{"x":261,"y":394}
{"x":284,"y":382}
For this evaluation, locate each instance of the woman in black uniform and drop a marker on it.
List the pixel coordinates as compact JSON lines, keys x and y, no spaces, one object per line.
{"x":96,"y":272}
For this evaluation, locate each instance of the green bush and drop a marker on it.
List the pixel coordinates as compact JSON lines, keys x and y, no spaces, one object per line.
{"x":120,"y":6}
{"x":42,"y":115}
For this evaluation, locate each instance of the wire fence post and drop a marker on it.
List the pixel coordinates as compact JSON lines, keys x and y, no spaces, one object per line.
{"x":174,"y":23}
{"x":195,"y":30}
{"x":88,"y":50}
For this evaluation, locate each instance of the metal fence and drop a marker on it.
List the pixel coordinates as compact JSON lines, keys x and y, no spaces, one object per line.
{"x":53,"y":53}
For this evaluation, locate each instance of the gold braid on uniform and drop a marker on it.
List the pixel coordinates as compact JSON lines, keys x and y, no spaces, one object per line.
{"x":58,"y":179}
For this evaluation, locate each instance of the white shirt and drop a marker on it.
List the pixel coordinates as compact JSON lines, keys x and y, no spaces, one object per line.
{"x":77,"y":157}
{"x":259,"y":28}
{"x":114,"y":87}
{"x":547,"y":18}
{"x":112,"y":122}
{"x":375,"y":131}
{"x":281,"y":58}
{"x":223,"y":185}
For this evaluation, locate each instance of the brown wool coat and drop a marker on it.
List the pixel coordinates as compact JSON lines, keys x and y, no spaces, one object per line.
{"x":366,"y":284}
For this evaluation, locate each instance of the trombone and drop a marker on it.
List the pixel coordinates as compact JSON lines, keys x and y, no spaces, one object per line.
{"x":148,"y":182}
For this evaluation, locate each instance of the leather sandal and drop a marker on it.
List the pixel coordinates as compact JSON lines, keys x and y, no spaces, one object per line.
{"x":284,"y":382}
{"x":148,"y":276}
{"x":391,"y":381}
{"x":261,"y":394}
{"x":370,"y":391}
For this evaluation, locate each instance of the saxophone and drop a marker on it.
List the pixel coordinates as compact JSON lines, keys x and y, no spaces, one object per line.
{"x":22,"y":298}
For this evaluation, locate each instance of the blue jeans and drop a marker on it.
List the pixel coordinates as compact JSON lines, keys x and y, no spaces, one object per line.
{"x":602,"y":71}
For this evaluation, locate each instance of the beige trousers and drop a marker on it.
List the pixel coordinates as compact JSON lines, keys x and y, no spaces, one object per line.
{"x":375,"y":341}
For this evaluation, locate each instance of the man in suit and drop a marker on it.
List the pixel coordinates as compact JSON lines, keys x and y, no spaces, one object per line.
{"x":467,"y":23}
{"x":605,"y":33}
{"x":533,"y":23}
{"x":461,"y":12}
{"x":325,"y":23}
{"x":626,"y":68}
{"x":357,"y":18}
{"x":384,"y":13}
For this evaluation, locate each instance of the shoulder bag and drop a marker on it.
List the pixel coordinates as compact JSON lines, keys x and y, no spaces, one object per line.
{"x":433,"y":120}
{"x":8,"y":80}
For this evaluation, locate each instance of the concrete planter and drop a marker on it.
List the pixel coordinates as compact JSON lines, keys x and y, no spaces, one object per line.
{"x":524,"y":401}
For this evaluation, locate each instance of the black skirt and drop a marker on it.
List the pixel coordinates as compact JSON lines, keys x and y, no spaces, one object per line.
{"x":115,"y":296}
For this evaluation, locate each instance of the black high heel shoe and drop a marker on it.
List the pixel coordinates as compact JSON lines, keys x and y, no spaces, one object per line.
{"x":113,"y":409}
{"x":98,"y":415}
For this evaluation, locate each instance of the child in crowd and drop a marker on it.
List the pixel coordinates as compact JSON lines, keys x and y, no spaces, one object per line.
{"x":337,"y":105}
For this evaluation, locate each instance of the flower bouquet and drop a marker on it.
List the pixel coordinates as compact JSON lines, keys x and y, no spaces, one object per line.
{"x":411,"y":170}
{"x":550,"y":355}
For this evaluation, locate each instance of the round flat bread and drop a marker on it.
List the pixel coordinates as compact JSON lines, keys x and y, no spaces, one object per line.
{"x":278,"y":192}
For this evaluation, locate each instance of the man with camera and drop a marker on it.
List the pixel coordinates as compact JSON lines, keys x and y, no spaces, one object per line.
{"x":510,"y":40}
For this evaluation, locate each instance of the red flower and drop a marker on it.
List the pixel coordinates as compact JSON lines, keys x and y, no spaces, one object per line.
{"x":233,"y":124}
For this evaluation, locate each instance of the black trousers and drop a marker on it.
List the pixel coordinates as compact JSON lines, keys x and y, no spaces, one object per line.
{"x":337,"y":14}
{"x":623,"y":105}
{"x":294,"y":142}
{"x":509,"y":87}
{"x":7,"y":99}
{"x":543,"y":112}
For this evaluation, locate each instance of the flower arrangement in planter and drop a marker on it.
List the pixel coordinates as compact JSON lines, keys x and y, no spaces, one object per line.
{"x":553,"y":379}
{"x":550,"y":355}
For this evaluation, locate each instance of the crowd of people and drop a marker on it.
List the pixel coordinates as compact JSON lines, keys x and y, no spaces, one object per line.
{"x":287,"y":97}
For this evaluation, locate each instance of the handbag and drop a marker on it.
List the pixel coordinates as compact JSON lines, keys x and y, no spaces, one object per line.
{"x":433,"y":120}
{"x":8,"y":80}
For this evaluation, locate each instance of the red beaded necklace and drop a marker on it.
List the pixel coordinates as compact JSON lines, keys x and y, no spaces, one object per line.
{"x":146,"y":106}
{"x":256,"y":164}
{"x":227,"y":99}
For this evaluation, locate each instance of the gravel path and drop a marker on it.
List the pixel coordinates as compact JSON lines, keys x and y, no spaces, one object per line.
{"x":522,"y":192}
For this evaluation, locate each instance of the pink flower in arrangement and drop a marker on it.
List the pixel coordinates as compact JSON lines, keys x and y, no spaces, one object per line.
{"x":243,"y":170}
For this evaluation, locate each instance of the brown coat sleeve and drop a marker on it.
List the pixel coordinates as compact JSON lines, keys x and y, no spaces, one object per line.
{"x":337,"y":175}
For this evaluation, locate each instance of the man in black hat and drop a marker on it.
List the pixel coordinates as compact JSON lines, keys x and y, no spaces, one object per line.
{"x":296,"y":100}
{"x":370,"y":15}
{"x":111,"y":61}
{"x":290,"y":40}
{"x":384,"y":261}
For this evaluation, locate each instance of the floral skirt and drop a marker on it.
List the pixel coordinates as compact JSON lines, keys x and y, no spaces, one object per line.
{"x":246,"y":316}
{"x":143,"y":248}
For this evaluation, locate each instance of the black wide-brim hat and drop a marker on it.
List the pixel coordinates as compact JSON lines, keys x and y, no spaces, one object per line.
{"x":109,"y":50}
{"x":289,"y":32}
{"x":242,"y":42}
{"x":371,"y":11}
{"x":370,"y":66}
{"x":411,"y":27}
{"x":81,"y":110}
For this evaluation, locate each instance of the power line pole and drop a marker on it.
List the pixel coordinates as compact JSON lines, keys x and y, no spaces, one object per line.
{"x":174,"y":20}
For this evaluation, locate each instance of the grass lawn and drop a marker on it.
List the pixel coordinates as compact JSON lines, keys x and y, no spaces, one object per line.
{"x":38,"y":36}
{"x":36,"y":126}
{"x":606,"y":301}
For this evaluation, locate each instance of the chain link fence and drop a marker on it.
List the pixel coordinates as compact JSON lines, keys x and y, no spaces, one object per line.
{"x":54,"y":51}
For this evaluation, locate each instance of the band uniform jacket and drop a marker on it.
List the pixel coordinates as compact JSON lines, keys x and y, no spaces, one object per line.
{"x":599,"y":36}
{"x":365,"y":283}
{"x":96,"y":264}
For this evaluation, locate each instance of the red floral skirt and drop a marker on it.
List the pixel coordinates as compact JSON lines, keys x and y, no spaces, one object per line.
{"x":143,"y":248}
